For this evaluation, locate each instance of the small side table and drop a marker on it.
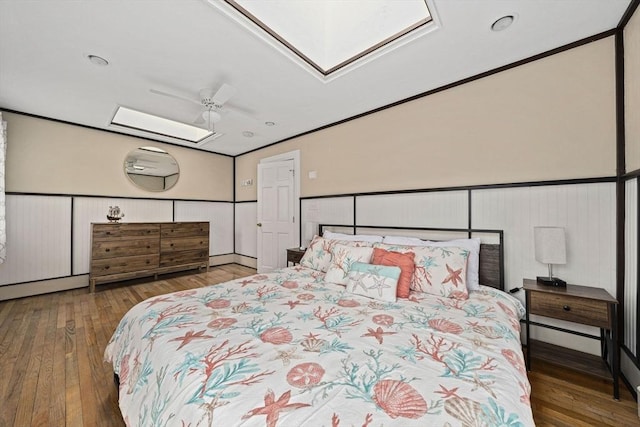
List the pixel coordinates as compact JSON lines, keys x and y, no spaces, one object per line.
{"x":579,"y":304}
{"x":294,"y":255}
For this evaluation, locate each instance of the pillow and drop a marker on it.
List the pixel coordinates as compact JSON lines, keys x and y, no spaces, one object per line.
{"x":441,"y":271}
{"x":404,"y":261}
{"x":318,"y":254}
{"x":352,"y":237}
{"x":402,"y":244}
{"x":401,"y":240}
{"x":343,"y":258}
{"x":473,"y":266}
{"x":373,"y":281}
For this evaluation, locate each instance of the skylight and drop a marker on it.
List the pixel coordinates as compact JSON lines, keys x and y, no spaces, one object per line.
{"x":133,"y":119}
{"x":330,"y":34}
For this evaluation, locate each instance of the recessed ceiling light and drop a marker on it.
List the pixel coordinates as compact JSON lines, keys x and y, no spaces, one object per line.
{"x":270,"y":123}
{"x":248,"y":134}
{"x":97,"y":60}
{"x":502,"y":23}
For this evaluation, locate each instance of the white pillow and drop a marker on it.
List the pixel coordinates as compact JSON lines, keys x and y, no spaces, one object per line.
{"x":342,"y":259}
{"x":352,"y":237}
{"x":401,"y":240}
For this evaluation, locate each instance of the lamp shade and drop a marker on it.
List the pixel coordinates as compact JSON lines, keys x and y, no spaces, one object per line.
{"x":550,"y":245}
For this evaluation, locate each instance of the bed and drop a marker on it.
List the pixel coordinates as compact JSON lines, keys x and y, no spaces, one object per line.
{"x":289,"y":348}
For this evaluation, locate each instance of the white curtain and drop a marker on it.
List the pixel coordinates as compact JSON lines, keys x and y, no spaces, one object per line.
{"x":3,"y":223}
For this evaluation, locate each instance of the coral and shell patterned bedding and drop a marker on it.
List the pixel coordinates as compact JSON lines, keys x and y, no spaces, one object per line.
{"x":287,"y":349}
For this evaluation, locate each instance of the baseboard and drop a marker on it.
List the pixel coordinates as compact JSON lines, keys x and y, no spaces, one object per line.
{"x":44,"y":287}
{"x":246,"y":261}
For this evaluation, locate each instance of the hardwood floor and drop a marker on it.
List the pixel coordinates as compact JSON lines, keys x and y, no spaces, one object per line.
{"x":52,"y":373}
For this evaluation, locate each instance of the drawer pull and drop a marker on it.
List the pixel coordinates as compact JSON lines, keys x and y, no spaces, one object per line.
{"x":148,"y":247}
{"x":148,"y":261}
{"x":107,"y":267}
{"x":566,"y":308}
{"x":171,"y":244}
{"x":107,"y":250}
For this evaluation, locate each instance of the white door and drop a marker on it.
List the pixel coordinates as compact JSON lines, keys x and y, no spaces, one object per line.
{"x":276,"y":220}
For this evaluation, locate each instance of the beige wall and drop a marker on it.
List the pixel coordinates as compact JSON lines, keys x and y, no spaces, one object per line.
{"x":632,"y":92}
{"x":44,"y":156}
{"x":549,"y":119}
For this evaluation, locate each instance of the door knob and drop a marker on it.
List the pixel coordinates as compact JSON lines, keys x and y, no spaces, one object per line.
{"x":259,"y":224}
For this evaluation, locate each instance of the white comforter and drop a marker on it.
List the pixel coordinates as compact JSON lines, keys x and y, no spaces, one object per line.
{"x":286,"y":349}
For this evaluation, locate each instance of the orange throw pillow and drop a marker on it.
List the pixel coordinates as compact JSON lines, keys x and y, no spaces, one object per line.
{"x":398,"y":259}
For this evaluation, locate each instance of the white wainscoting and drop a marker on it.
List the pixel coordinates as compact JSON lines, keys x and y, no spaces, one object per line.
{"x":94,"y":209}
{"x":441,"y":209}
{"x":330,"y":210}
{"x":246,"y":229}
{"x":587,"y":211}
{"x":631,"y":265}
{"x":220,"y":217}
{"x":38,"y":244}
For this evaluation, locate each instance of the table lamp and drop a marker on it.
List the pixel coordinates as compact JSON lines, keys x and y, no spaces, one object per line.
{"x":550,"y":248}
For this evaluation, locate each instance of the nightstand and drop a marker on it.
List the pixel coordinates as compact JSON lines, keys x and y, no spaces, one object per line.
{"x":294,"y":255}
{"x":579,"y":304}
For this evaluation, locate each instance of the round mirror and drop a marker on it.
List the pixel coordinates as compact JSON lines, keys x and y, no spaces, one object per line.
{"x":151,"y":169}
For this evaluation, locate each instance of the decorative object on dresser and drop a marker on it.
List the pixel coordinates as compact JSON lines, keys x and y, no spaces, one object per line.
{"x":130,"y":250}
{"x":114,"y":214}
{"x":550,"y":248}
{"x":294,"y":255}
{"x":579,"y":304}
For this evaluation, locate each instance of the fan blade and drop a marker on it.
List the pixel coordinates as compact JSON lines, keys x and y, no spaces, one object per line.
{"x":245,"y":112}
{"x":223,"y":94}
{"x":171,"y":95}
{"x":199,"y":120}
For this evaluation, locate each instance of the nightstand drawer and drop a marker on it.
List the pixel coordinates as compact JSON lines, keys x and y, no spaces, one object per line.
{"x":572,"y":309}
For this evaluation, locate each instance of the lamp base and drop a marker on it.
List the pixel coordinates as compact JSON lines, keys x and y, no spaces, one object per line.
{"x":551,"y":281}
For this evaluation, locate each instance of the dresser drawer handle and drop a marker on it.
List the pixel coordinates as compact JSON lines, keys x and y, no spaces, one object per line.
{"x":107,"y":267}
{"x":148,"y":247}
{"x":148,"y":261}
{"x":566,"y":308}
{"x":107,"y":250}
{"x":171,"y":244}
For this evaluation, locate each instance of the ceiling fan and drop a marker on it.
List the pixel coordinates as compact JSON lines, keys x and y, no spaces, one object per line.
{"x":211,"y":101}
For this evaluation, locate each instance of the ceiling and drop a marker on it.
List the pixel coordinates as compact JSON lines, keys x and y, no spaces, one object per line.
{"x":182,"y":46}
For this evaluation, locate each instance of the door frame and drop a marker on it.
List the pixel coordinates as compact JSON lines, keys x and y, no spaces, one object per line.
{"x":295,"y":156}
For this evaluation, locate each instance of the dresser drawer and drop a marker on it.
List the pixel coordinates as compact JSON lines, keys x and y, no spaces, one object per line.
{"x":573,"y":309}
{"x":125,"y":248}
{"x":184,"y":257}
{"x":103,"y":267}
{"x":184,"y":244}
{"x":103,"y":232}
{"x":184,"y":229}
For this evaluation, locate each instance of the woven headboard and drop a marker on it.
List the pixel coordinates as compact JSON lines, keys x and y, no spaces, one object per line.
{"x":491,"y":252}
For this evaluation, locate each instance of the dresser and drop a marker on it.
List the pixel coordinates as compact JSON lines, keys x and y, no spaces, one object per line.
{"x":129,"y":250}
{"x":578,"y":304}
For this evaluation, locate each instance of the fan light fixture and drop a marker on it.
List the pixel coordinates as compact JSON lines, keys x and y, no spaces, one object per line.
{"x":211,"y":118}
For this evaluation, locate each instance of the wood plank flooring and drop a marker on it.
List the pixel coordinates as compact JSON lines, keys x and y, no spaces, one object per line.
{"x":52,"y":373}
